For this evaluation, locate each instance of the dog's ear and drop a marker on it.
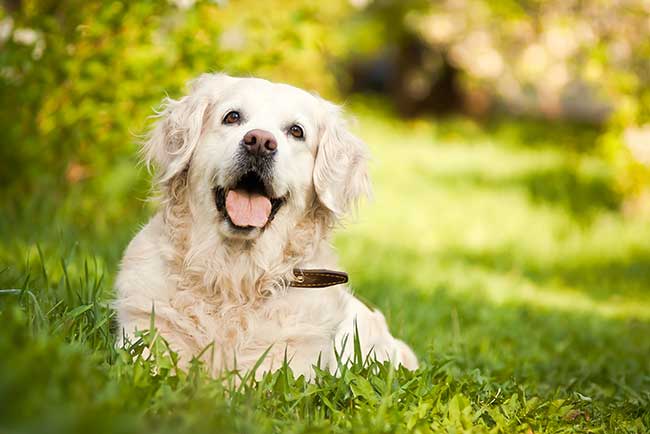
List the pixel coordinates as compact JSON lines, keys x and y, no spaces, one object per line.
{"x":340,"y":172}
{"x":173,"y":139}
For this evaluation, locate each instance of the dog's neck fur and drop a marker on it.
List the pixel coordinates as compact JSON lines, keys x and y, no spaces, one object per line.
{"x":237,"y":272}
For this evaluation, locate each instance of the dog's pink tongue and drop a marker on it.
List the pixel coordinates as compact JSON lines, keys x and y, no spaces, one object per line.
{"x":248,"y":209}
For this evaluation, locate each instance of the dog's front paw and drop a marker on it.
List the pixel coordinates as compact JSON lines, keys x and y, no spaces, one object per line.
{"x":405,"y":356}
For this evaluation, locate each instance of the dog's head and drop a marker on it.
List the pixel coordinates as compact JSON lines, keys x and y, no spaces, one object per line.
{"x":256,"y":153}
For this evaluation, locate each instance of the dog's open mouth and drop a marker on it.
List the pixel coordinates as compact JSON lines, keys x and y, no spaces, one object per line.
{"x":249,"y":203}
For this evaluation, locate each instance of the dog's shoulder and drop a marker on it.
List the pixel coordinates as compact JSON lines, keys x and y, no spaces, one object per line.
{"x":143,"y":270}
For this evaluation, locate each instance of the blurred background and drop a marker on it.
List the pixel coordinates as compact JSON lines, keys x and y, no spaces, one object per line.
{"x":508,"y":241}
{"x":78,"y":79}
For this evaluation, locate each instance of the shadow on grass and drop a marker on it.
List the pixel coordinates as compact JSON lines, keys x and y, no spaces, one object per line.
{"x":534,"y":133}
{"x":582,"y":196}
{"x":600,"y":278}
{"x":540,"y":347}
{"x":521,"y":132}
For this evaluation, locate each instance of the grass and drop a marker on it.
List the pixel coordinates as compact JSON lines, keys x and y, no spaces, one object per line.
{"x":497,"y":251}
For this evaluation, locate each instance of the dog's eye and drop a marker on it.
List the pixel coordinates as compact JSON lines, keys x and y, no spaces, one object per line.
{"x":297,"y":132}
{"x":232,"y":117}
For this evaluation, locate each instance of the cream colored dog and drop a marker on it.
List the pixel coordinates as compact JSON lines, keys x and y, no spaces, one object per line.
{"x":253,"y":176}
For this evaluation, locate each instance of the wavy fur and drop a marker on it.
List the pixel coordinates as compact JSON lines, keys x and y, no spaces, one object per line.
{"x":209,"y":286}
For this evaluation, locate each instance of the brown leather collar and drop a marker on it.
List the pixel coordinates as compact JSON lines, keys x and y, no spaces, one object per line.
{"x":317,"y":278}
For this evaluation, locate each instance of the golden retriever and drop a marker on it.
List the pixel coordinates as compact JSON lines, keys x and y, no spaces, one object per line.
{"x":253,"y":177}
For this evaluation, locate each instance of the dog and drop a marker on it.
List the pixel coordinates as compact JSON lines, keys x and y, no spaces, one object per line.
{"x":252,"y":177}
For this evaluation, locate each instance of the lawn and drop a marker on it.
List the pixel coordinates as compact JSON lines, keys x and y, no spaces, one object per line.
{"x":497,"y":251}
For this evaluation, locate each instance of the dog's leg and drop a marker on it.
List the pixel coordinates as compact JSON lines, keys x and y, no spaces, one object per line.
{"x":374,"y":337}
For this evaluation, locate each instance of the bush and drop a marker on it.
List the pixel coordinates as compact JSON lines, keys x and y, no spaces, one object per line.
{"x":80,"y":78}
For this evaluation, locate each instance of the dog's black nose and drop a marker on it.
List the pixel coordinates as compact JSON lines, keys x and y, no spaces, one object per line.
{"x":260,"y":142}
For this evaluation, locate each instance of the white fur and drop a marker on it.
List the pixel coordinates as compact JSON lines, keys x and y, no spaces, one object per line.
{"x":210,"y":284}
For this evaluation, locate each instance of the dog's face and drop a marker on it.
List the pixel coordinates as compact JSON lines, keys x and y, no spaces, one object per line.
{"x":257,"y":153}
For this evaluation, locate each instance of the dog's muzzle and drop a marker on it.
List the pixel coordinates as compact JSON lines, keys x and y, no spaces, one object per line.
{"x":250,"y":201}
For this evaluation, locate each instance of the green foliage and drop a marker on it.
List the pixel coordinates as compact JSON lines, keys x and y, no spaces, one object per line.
{"x":528,"y":314}
{"x":80,"y":78}
{"x":77,"y":96}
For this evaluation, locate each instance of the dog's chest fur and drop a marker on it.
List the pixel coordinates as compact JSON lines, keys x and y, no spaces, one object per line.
{"x":297,"y":321}
{"x":236,"y":315}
